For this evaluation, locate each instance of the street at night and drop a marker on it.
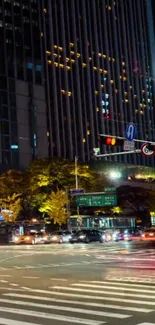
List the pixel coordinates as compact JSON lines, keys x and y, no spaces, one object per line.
{"x":78,"y":284}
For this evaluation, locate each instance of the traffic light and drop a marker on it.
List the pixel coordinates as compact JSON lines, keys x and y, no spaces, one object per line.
{"x":111,"y":141}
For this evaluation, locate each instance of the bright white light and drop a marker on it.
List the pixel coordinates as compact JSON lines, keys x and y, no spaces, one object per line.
{"x":115,"y":175}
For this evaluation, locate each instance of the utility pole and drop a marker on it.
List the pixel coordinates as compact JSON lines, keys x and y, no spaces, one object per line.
{"x":76,"y":172}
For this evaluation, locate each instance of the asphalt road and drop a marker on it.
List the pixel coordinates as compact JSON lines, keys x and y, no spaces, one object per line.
{"x":93,"y":284}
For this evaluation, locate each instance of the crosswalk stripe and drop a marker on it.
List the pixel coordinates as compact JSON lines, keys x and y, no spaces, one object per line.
{"x":77,"y":302}
{"x":120,"y":284}
{"x":63,"y":308}
{"x":38,"y":314}
{"x":146,"y":324}
{"x":76,"y":295}
{"x":122,"y":288}
{"x":105,"y":292}
{"x":6,"y":321}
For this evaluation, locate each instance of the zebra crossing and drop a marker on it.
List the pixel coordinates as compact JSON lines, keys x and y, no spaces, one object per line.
{"x":86,"y":302}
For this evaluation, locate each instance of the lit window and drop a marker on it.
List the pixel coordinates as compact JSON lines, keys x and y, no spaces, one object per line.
{"x":69,"y":93}
{"x":72,"y":52}
{"x":126,"y":100}
{"x":112,"y":81}
{"x":84,"y":140}
{"x":109,"y":58}
{"x":102,"y":86}
{"x":149,"y":100}
{"x":124,"y":71}
{"x":73,"y":61}
{"x":99,"y":54}
{"x":68,"y":68}
{"x":88,"y":132}
{"x":141,"y":112}
{"x":71,"y":44}
{"x":63,"y":91}
{"x":56,"y":64}
{"x":116,"y":90}
{"x":123,"y":63}
{"x":96,"y":92}
{"x":130,"y":87}
{"x":97,"y":109}
{"x":120,"y":77}
{"x":78,"y":55}
{"x":124,"y":78}
{"x":113,"y":59}
{"x":61,"y":65}
{"x":49,"y":61}
{"x":67,"y":59}
{"x":141,"y":105}
{"x":45,"y":10}
{"x":135,"y":96}
{"x":104,"y":56}
{"x":109,"y":7}
{"x":48,"y":52}
{"x":101,"y":70}
{"x":90,"y":59}
{"x":48,"y":134}
{"x":95,"y":68}
{"x":30,"y":65}
{"x":42,"y":34}
{"x":125,"y":93}
{"x":84,"y":65}
{"x":143,"y":91}
{"x":105,"y":71}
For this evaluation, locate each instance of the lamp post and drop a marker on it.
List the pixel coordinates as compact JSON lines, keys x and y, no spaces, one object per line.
{"x":76,"y":172}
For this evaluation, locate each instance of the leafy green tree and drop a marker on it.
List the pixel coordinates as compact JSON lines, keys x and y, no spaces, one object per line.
{"x":10,"y":182}
{"x":10,"y":207}
{"x":55,"y":207}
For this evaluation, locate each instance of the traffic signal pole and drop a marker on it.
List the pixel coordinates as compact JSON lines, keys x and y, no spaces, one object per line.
{"x":118,"y":153}
{"x":123,"y":138}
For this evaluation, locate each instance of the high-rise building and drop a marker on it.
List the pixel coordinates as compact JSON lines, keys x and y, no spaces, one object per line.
{"x":22,"y":93}
{"x":98,"y":72}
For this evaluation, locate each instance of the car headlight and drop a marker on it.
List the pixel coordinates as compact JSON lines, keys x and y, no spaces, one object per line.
{"x":54,"y":237}
{"x":16,"y":239}
{"x":82,"y":236}
{"x":27,"y":238}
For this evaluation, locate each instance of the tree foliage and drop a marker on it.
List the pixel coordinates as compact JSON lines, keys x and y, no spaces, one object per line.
{"x":55,"y":207}
{"x":10,"y":207}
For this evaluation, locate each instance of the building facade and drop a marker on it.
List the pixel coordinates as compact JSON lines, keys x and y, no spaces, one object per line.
{"x":98,"y":72}
{"x":23,"y":125}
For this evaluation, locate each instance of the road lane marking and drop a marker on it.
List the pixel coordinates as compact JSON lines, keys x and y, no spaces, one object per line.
{"x":146,"y":324}
{"x":6,"y":321}
{"x":76,"y":295}
{"x":14,"y":284}
{"x":58,"y":279}
{"x":77,"y":302}
{"x":11,"y":289}
{"x":4,"y":281}
{"x":120,"y":284}
{"x":6,"y":275}
{"x":122,"y":288}
{"x":38,"y":314}
{"x":105,"y":292}
{"x":63,"y":308}
{"x":30,"y":277}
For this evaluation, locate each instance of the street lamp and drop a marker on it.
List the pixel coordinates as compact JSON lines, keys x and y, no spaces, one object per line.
{"x":115,"y":175}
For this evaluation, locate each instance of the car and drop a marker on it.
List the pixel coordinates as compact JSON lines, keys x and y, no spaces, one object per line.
{"x":32,"y":238}
{"x":130,"y":235}
{"x":87,"y":236}
{"x":60,"y":236}
{"x":148,"y":235}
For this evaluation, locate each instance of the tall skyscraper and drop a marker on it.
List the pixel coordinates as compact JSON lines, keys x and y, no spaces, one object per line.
{"x":98,"y":72}
{"x":22,"y":94}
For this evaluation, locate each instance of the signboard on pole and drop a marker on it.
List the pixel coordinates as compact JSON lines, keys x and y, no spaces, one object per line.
{"x":130,"y":132}
{"x":110,"y":189}
{"x":99,"y":200}
{"x":77,"y":191}
{"x":129,"y":145}
{"x":145,"y":150}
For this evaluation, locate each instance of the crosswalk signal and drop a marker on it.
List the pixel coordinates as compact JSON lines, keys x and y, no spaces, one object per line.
{"x":111,"y":141}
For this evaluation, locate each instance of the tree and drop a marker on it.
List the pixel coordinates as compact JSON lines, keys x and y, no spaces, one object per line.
{"x":10,"y":207}
{"x":55,"y":207}
{"x":10,"y":181}
{"x":136,"y":201}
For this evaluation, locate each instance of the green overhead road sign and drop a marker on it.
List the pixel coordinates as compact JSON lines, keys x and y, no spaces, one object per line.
{"x":97,"y":200}
{"x":110,"y":189}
